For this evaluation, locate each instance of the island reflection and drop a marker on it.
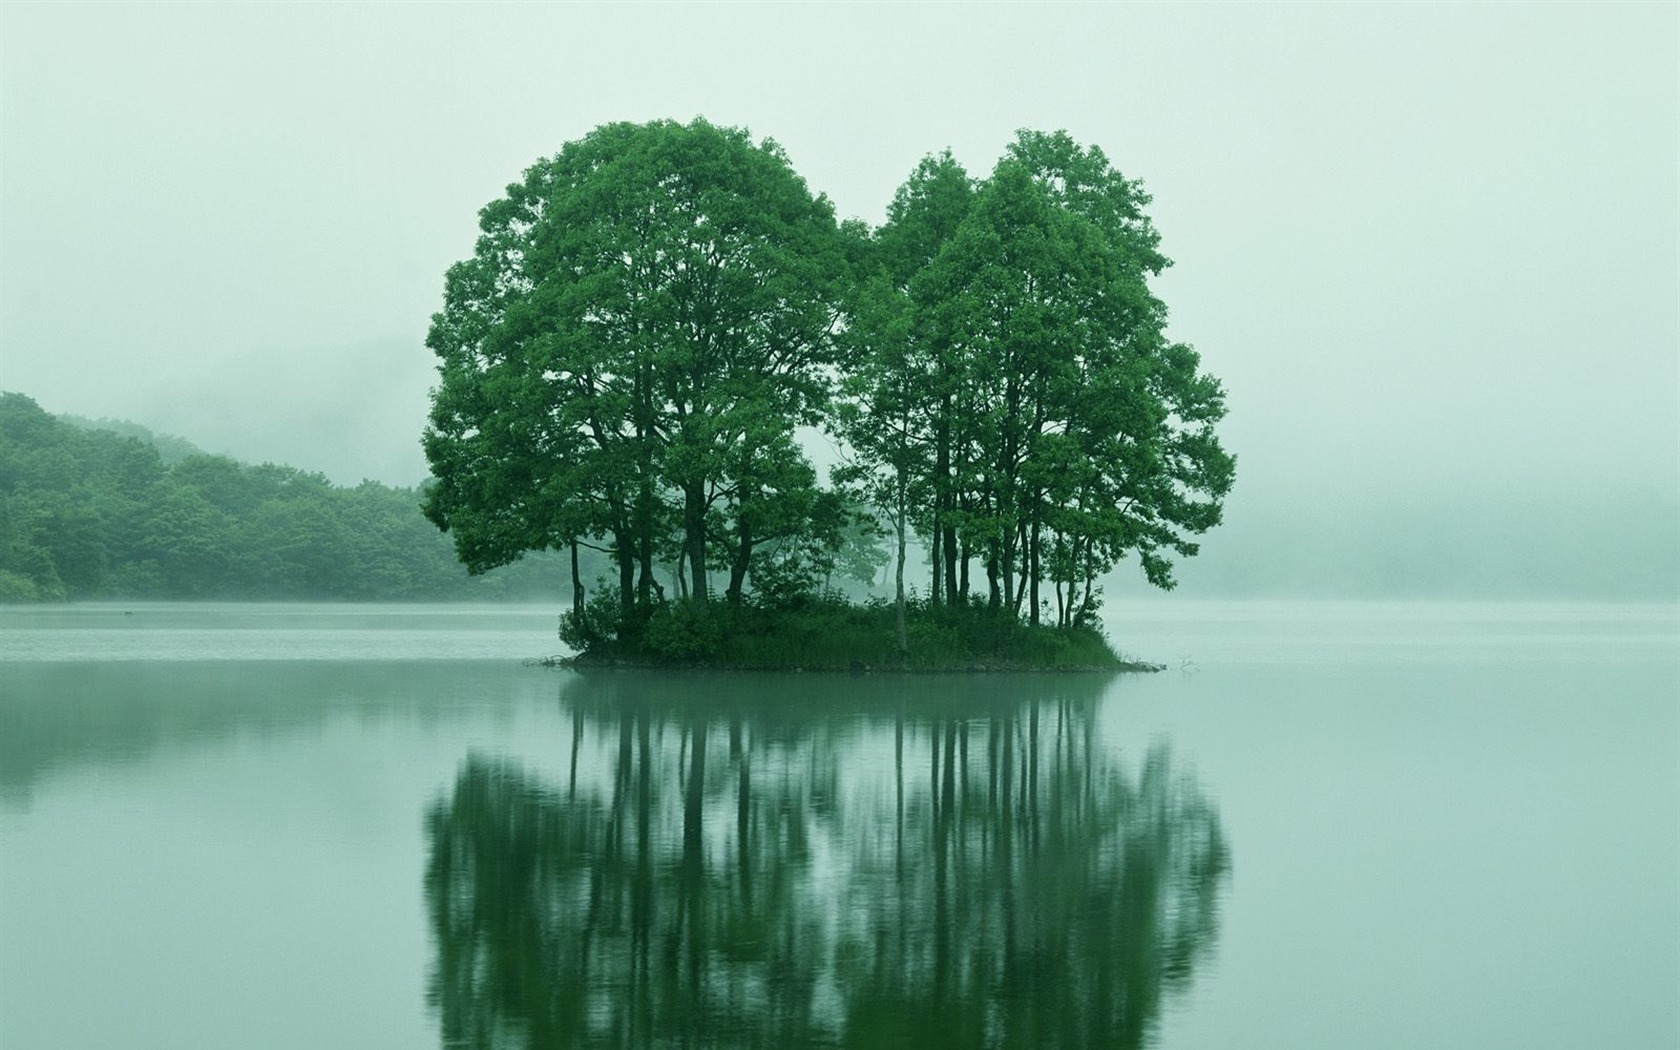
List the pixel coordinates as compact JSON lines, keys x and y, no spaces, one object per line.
{"x":737,"y":872}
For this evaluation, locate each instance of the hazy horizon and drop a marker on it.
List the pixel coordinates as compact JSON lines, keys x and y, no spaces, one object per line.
{"x":1431,"y":251}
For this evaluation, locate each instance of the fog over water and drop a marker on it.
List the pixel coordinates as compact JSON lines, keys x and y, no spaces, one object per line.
{"x":1431,"y":251}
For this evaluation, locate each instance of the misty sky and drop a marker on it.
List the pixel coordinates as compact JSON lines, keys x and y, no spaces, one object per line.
{"x":1431,"y":250}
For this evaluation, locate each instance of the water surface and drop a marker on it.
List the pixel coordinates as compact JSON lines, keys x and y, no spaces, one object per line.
{"x":1326,"y":825}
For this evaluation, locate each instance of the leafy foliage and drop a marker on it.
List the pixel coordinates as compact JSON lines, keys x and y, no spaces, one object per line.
{"x":651,"y":313}
{"x":825,"y":632}
{"x":1018,"y":401}
{"x":86,"y":513}
{"x":645,"y":320}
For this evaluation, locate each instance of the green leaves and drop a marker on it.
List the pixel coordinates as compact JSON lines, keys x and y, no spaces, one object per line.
{"x":86,"y":513}
{"x":1015,"y":376}
{"x":651,"y":313}
{"x":644,"y":311}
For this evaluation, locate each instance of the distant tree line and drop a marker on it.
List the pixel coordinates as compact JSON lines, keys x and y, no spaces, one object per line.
{"x":89,"y":513}
{"x":654,"y":313}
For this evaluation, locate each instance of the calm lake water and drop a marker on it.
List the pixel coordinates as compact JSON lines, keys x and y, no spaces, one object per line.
{"x":1326,"y":825}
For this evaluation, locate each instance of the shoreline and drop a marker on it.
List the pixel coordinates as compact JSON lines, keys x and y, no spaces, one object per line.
{"x":587,"y":662}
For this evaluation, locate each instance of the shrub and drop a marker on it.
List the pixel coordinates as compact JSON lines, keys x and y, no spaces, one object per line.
{"x":684,"y":632}
{"x":823,"y":631}
{"x":596,"y":626}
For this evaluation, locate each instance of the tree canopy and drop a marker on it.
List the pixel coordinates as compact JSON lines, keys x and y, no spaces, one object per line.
{"x":1024,"y":388}
{"x":651,"y":316}
{"x":646,"y":319}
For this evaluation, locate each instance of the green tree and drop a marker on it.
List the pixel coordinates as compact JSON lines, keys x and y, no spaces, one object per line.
{"x":898,"y":411}
{"x":1066,"y":431}
{"x":881,"y":418}
{"x":642,"y":311}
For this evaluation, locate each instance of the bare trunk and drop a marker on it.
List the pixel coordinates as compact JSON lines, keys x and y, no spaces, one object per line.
{"x":1006,"y":562}
{"x":936,"y":561}
{"x":644,"y":550}
{"x":577,"y":584}
{"x":694,"y":532}
{"x":738,"y":567}
{"x":1085,"y":607}
{"x":626,"y":575}
{"x":903,"y":630}
{"x":1033,"y":572}
{"x":1072,"y":581}
{"x":994,"y":596}
{"x":1061,"y":606}
{"x":951,"y":567}
{"x":942,"y":540}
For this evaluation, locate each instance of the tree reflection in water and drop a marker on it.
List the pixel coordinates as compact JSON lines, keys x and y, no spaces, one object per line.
{"x":906,"y":872}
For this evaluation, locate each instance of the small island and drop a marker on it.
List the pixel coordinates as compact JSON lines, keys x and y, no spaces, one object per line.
{"x":829,"y":633}
{"x":663,"y":332}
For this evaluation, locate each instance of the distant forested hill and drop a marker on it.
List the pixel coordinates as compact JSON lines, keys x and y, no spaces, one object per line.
{"x":172,"y":449}
{"x":88,"y":512}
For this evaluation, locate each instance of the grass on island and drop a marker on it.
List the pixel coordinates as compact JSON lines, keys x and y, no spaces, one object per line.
{"x":831,"y":634}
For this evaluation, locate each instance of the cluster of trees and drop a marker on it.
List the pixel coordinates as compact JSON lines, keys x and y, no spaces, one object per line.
{"x":654,"y":313}
{"x":1016,"y":401}
{"x":89,"y":513}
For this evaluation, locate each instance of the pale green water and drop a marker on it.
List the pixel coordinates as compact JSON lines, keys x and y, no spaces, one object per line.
{"x":1326,"y":826}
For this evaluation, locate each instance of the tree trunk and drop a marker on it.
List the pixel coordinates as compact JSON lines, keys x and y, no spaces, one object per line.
{"x":738,"y":567}
{"x":694,"y":531}
{"x":936,"y":561}
{"x":626,"y":556}
{"x":994,"y":597}
{"x":577,"y":584}
{"x":645,"y":583}
{"x":1017,"y":556}
{"x":1033,"y":569}
{"x":1085,"y":607}
{"x":1061,"y":606}
{"x":942,"y":540}
{"x":1072,"y":582}
{"x":644,"y":494}
{"x":951,"y":567}
{"x":1006,"y":561}
{"x":903,"y":509}
{"x":1020,"y":593}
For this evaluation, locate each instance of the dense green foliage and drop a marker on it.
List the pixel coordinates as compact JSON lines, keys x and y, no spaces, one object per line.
{"x":88,"y":513}
{"x":170,"y":448}
{"x":651,"y":313}
{"x":1018,"y":401}
{"x":828,"y":633}
{"x":647,"y":318}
